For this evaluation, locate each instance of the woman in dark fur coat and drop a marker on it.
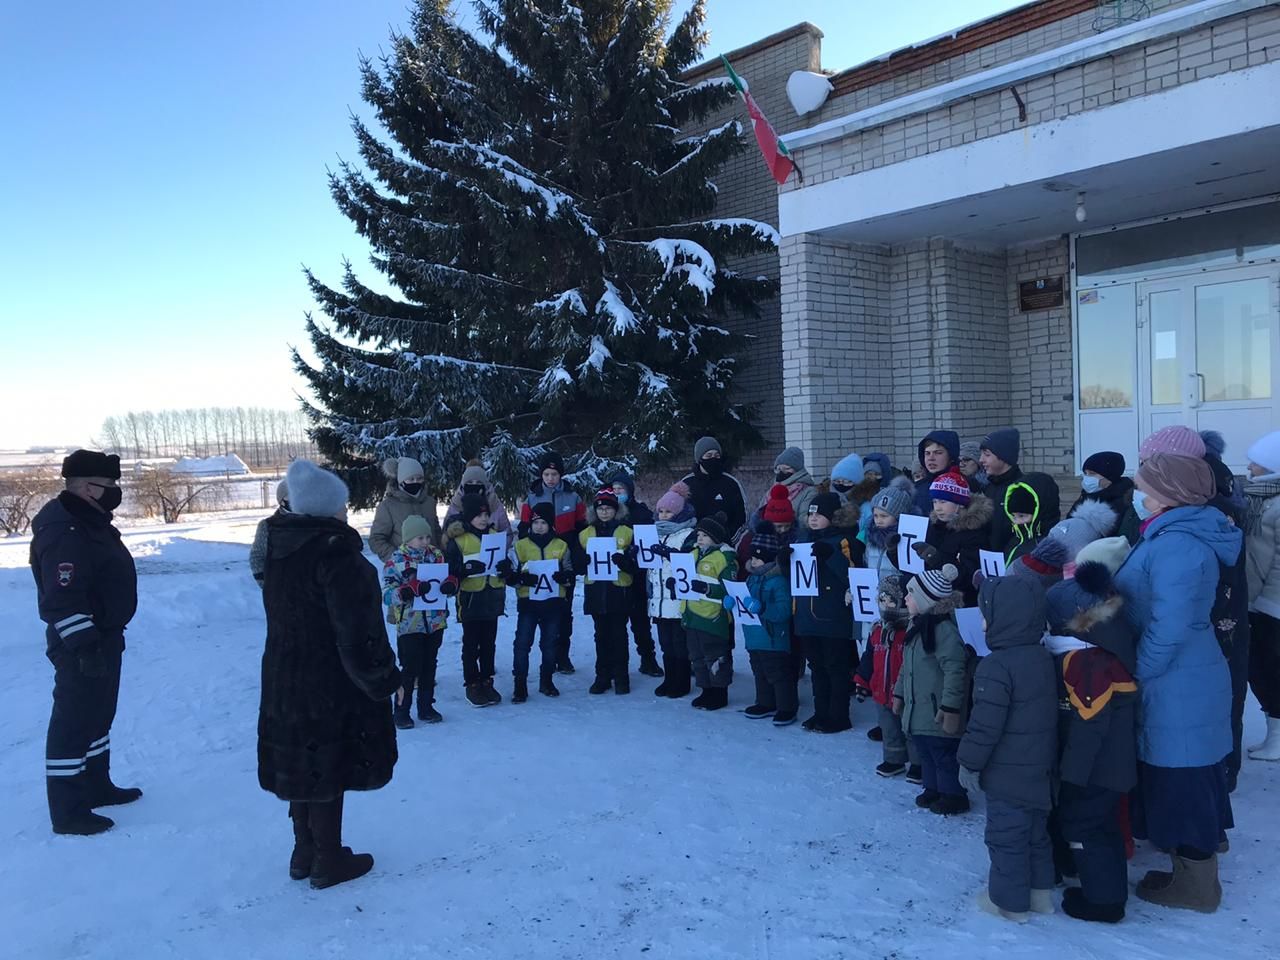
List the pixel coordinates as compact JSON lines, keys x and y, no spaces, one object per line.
{"x":328,"y":675}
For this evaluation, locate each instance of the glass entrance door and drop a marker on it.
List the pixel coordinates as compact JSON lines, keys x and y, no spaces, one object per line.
{"x":1208,"y":354}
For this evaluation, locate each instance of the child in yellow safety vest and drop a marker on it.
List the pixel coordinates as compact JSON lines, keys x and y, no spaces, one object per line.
{"x":541,"y":616}
{"x":482,"y":598}
{"x":708,"y":627}
{"x":608,"y":602}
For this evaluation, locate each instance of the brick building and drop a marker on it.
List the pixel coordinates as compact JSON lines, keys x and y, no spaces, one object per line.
{"x":935,"y":270}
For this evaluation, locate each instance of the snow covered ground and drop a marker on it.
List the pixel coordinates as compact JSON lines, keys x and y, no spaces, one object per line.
{"x":585,"y":827}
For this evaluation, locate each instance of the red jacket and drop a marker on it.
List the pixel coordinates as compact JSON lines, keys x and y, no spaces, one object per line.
{"x":879,"y":666}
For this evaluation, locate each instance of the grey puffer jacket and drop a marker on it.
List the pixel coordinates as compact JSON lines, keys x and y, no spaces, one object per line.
{"x":1012,"y":737}
{"x":934,"y":674}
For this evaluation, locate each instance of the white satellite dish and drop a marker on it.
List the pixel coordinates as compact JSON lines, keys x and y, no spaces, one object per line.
{"x":807,"y":91}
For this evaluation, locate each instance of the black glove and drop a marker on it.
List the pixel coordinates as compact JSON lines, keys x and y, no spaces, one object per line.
{"x":926,"y":552}
{"x":784,"y":553}
{"x":670,"y":584}
{"x":504,"y":567}
{"x":700,"y":586}
{"x":410,"y":573}
{"x":563,"y":577}
{"x":631,"y":552}
{"x":407,"y":593}
{"x":527,"y":580}
{"x":449,"y":588}
{"x":822,"y":550}
{"x":93,"y":663}
{"x":661,"y":550}
{"x":473,"y":568}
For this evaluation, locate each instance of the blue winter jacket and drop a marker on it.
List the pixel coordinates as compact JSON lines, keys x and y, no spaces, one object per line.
{"x":1169,"y":583}
{"x":770,"y":587}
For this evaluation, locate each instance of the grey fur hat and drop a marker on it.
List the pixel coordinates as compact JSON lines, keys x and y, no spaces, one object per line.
{"x":314,"y":491}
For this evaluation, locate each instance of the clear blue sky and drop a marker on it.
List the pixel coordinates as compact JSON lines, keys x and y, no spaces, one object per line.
{"x":163,"y":175}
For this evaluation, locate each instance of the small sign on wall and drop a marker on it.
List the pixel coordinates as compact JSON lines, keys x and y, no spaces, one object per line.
{"x":1043,"y":293}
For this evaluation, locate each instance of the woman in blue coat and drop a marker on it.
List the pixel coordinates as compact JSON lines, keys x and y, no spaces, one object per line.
{"x":1169,"y":583}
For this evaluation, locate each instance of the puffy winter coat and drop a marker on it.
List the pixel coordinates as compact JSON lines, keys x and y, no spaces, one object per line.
{"x":570,"y":511}
{"x":768,"y":585}
{"x":479,"y":597}
{"x":497,"y":513}
{"x":328,"y":672}
{"x":1006,"y":536}
{"x":679,"y":538}
{"x":948,"y":440}
{"x":1097,"y":696}
{"x":396,"y":507}
{"x":396,"y":573}
{"x":1169,"y":582}
{"x":1263,"y":548}
{"x":800,"y":491}
{"x":827,"y":615}
{"x":882,"y":661}
{"x":1012,"y":736}
{"x":960,"y":542}
{"x":527,"y":550}
{"x":712,"y":567}
{"x":935,"y":673}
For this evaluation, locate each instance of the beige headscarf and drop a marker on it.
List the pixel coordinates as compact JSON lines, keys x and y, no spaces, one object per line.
{"x":1178,"y":481}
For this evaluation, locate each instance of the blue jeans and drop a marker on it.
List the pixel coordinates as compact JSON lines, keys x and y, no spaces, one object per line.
{"x":938,"y":763}
{"x":545,"y":616}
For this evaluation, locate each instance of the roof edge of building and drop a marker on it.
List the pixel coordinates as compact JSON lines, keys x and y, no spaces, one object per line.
{"x":763,"y":44}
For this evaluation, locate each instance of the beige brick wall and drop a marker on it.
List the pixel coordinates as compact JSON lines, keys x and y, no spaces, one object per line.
{"x":1232,"y":44}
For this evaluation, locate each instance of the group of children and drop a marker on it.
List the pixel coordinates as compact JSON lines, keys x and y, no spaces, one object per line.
{"x":1008,"y":723}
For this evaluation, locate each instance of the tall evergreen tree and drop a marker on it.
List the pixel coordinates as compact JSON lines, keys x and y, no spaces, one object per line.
{"x":547,"y":226}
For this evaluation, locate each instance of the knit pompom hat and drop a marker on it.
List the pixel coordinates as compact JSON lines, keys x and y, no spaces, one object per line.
{"x":765,"y":543}
{"x":952,"y":487}
{"x":779,"y":508}
{"x":407,"y":467}
{"x":605,"y":497}
{"x":895,"y":499}
{"x":932,"y":586}
{"x":1177,"y":440}
{"x":674,"y":499}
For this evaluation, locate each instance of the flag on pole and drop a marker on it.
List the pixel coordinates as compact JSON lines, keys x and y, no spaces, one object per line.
{"x":776,"y":155}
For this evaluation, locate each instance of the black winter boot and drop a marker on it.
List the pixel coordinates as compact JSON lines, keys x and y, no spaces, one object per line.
{"x":661,"y":690}
{"x":112,"y":796}
{"x":84,"y":824}
{"x":622,"y":685}
{"x":520,"y":693}
{"x":338,"y":866}
{"x":649,"y":666}
{"x":679,"y":678}
{"x":714,"y":698}
{"x":304,"y":845}
{"x":546,"y":686}
{"x":601,"y":685}
{"x":1076,"y":906}
{"x":401,"y":716}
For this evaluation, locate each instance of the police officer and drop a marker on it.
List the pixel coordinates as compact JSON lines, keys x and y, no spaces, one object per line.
{"x":88,"y":592}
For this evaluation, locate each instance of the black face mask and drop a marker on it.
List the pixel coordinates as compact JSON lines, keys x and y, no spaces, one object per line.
{"x":712,"y":467}
{"x":412,"y":489}
{"x":111,"y":497}
{"x":476,"y":489}
{"x":781,"y":476}
{"x":842,"y":488}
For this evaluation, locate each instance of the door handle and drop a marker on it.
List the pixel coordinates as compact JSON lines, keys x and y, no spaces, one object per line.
{"x":1200,"y":384}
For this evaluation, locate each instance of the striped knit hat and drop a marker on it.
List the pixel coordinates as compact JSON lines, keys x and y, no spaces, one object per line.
{"x":930,"y":587}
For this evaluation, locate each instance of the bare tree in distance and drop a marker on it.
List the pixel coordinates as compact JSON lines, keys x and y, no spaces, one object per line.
{"x":22,"y":494}
{"x":169,"y":495}
{"x":260,"y":436}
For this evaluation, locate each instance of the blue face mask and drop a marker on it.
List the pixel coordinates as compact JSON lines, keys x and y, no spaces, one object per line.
{"x":1091,"y":484}
{"x":623,"y":498}
{"x":1140,"y":506}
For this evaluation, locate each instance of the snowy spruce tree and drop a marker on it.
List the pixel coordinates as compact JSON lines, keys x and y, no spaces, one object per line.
{"x":560,"y":283}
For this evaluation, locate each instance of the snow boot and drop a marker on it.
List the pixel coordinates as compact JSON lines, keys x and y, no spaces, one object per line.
{"x":429,"y":714}
{"x":546,"y":686}
{"x":986,"y":905}
{"x":784,"y":718}
{"x":1074,"y":905}
{"x":757,"y":712}
{"x":834,"y":726}
{"x":601,"y":685}
{"x":1041,"y":901}
{"x":915,"y":774}
{"x":478,"y":694}
{"x":950,"y":804}
{"x":401,"y":716}
{"x":714,"y":698}
{"x":304,"y":844}
{"x":927,"y":798}
{"x":492,"y":692}
{"x":332,"y":868}
{"x":565,"y":666}
{"x":887,"y":769}
{"x":875,"y":735}
{"x":812,"y":723}
{"x":85,"y":824}
{"x":1269,"y":748}
{"x":700,"y":701}
{"x":112,"y":796}
{"x":679,"y":678}
{"x":649,"y":666}
{"x":1193,"y":886}
{"x":521,"y":691}
{"x":622,"y":686}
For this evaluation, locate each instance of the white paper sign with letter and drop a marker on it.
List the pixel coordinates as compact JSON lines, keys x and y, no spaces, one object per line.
{"x":430,"y":576}
{"x":683,"y":571}
{"x":546,"y":588}
{"x":992,"y":563}
{"x":804,"y":571}
{"x":864,"y":587}
{"x":646,"y":538}
{"x":600,"y":565}
{"x":911,"y":530}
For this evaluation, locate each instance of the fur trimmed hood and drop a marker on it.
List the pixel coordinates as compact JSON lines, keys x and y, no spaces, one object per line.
{"x":975,"y":516}
{"x":622,"y":518}
{"x":847,"y":517}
